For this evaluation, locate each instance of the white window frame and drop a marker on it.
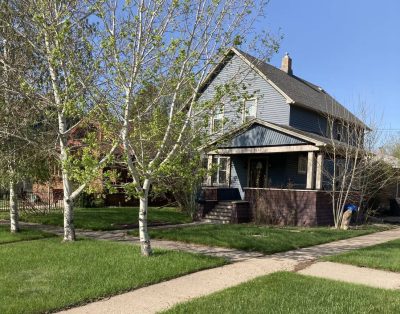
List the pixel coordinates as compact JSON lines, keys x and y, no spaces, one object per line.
{"x":217,"y":182}
{"x":302,"y":163}
{"x":221,"y":115}
{"x":245,"y":113}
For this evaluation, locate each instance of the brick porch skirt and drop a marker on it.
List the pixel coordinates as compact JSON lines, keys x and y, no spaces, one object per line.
{"x":289,"y":207}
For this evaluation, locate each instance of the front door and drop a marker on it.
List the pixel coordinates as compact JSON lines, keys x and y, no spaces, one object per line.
{"x":258,"y":173}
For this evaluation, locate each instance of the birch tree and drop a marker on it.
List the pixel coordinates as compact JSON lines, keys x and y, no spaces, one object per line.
{"x":353,"y":172}
{"x":170,"y":45}
{"x":23,"y":148}
{"x":59,"y":34}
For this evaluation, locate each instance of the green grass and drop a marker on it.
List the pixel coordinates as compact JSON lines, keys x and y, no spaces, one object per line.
{"x":23,"y":235}
{"x":265,"y":239}
{"x":108,"y":218}
{"x":46,"y":275}
{"x":384,"y":256}
{"x":292,"y":293}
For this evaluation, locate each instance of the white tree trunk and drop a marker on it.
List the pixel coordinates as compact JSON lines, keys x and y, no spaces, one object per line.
{"x":143,"y":233}
{"x":14,"y":217}
{"x":69,"y":229}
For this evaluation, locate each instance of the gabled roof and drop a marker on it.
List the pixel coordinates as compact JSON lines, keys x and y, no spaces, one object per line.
{"x":302,"y":136}
{"x":296,"y":90}
{"x":257,"y":135}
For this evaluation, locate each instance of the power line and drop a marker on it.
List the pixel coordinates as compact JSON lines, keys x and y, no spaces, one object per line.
{"x":388,"y":129}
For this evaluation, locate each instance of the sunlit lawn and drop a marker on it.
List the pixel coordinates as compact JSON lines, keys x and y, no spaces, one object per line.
{"x":265,"y":239}
{"x":292,"y":293}
{"x":382,"y":256}
{"x":108,"y":218}
{"x":7,"y":237}
{"x":45,"y":275}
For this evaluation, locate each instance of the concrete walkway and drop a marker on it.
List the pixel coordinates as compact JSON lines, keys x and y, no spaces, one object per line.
{"x":353,"y":274}
{"x":246,"y":266}
{"x":164,"y":295}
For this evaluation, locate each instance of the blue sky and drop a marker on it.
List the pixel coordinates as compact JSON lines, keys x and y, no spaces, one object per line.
{"x":350,"y":48}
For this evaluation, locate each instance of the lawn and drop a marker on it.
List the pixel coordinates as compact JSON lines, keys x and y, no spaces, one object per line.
{"x":108,"y":218}
{"x":293,"y":293}
{"x":384,"y":256}
{"x":265,"y":239}
{"x":24,"y":235}
{"x":46,"y":275}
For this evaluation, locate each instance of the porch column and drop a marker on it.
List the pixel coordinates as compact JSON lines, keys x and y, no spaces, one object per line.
{"x":310,"y":170}
{"x":320,"y":167}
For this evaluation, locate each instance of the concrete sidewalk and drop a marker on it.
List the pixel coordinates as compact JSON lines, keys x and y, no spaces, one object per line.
{"x":164,"y":295}
{"x":353,"y":274}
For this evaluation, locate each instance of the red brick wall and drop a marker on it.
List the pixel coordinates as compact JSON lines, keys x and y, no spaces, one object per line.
{"x":44,"y":192}
{"x":289,"y":207}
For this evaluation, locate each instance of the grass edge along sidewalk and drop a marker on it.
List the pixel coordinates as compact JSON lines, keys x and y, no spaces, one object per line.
{"x":384,"y":256}
{"x":286,"y":292}
{"x":257,"y":238}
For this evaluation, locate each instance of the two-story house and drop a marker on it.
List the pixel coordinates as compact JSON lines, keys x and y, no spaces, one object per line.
{"x":270,"y":139}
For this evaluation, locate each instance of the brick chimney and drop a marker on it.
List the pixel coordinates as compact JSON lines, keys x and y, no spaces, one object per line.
{"x":287,"y":64}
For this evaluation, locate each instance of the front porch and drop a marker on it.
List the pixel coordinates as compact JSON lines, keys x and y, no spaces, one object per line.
{"x":267,"y":206}
{"x":277,"y":171}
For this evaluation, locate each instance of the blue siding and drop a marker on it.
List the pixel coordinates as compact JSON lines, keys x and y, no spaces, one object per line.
{"x":271,"y":105}
{"x":258,"y":135}
{"x":307,"y":120}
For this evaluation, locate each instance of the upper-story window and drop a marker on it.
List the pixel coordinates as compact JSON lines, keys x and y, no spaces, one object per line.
{"x":217,"y":122}
{"x":249,"y":109}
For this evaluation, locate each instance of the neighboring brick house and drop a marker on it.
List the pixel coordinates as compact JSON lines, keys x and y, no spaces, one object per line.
{"x":269,"y":145}
{"x":52,"y":191}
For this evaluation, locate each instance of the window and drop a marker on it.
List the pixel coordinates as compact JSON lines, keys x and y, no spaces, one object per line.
{"x":220,"y":176}
{"x":217,"y":123}
{"x":302,"y":165}
{"x":250,"y":109}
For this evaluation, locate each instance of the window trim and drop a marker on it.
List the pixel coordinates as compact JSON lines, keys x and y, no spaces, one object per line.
{"x":244,"y":116}
{"x":217,"y":174}
{"x":222,"y":113}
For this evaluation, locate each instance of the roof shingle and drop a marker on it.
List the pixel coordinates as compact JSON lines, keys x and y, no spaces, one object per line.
{"x":302,"y":92}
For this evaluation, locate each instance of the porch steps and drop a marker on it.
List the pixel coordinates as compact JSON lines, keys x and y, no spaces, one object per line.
{"x":221,"y":214}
